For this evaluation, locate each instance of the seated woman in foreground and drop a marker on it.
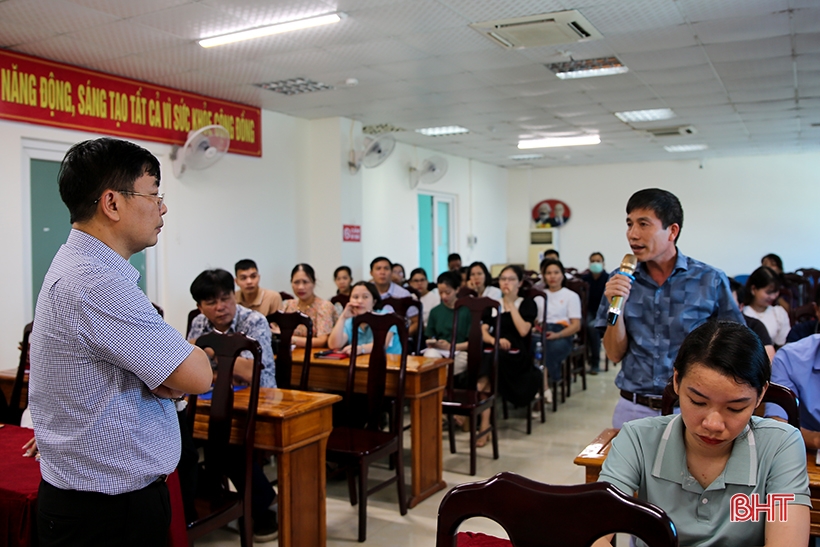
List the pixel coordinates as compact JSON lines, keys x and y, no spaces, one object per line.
{"x":693,"y":463}
{"x":364,"y":298}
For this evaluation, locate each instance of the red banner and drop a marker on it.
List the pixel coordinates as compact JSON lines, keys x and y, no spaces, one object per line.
{"x":44,"y":92}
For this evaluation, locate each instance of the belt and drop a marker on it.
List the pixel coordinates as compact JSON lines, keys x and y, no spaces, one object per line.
{"x":651,"y":401}
{"x":161,"y":478}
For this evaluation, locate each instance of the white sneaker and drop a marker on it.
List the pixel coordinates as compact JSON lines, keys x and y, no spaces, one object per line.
{"x":548,"y":396}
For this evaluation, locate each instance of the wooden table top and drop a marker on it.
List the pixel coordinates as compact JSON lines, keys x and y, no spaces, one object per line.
{"x":416,"y":364}
{"x":280,"y":403}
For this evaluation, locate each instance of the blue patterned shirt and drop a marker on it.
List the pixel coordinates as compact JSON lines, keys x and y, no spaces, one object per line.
{"x":658,"y":318}
{"x":98,"y":347}
{"x":253,"y":325}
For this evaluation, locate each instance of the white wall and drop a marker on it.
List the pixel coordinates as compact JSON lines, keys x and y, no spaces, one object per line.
{"x":735,"y":209}
{"x":390,"y":208}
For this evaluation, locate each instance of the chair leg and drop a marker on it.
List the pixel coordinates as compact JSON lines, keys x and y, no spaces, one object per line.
{"x":541,"y":401}
{"x":400,"y":481}
{"x":363,"y":502}
{"x":567,"y":376}
{"x":494,"y":431}
{"x":351,"y":486}
{"x":529,"y":417}
{"x":246,"y":529}
{"x":473,"y":442}
{"x":504,"y":406}
{"x":583,"y":372}
{"x":452,"y":431}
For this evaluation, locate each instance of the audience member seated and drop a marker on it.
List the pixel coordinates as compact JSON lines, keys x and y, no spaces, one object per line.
{"x":797,"y":367}
{"x":343,"y":278}
{"x":762,"y":289}
{"x":364,"y":298}
{"x":398,"y":276}
{"x":802,"y":329}
{"x":250,"y":294}
{"x":596,"y":278}
{"x":774,"y":262}
{"x":439,"y":329}
{"x":739,"y":293}
{"x":429,"y":299}
{"x":454,"y":262}
{"x":321,"y":312}
{"x":213,"y":292}
{"x":691,"y":464}
{"x":479,"y":279}
{"x":381,"y":270}
{"x":518,"y":378}
{"x":563,"y":318}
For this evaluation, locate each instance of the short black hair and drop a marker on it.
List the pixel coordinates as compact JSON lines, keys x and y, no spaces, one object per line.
{"x":421,"y":271}
{"x":552,"y":252}
{"x":488,"y":279}
{"x":342,"y":269}
{"x":729,"y":348}
{"x":307,"y":268}
{"x":517,"y":270}
{"x":380,"y":259}
{"x":245,"y":264}
{"x":453,"y":256}
{"x":663,"y":203}
{"x":736,"y":287}
{"x":449,"y":278}
{"x":760,"y":279}
{"x":774,"y":258}
{"x":374,"y":292}
{"x":596,"y":253}
{"x":91,"y":167}
{"x":211,"y":284}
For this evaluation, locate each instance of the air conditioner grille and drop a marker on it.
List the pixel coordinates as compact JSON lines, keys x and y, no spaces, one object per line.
{"x":547,"y":29}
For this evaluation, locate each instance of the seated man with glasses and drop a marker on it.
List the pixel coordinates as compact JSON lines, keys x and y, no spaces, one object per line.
{"x":214,"y":295}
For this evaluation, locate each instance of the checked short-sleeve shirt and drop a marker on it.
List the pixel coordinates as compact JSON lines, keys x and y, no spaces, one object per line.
{"x":98,"y":348}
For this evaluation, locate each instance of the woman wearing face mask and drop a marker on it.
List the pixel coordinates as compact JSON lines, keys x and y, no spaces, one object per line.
{"x":596,"y":278}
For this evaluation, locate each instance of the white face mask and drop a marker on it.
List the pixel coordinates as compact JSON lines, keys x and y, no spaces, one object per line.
{"x":596,"y":267}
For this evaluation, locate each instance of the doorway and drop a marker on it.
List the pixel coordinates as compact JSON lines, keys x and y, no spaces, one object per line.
{"x":436,"y":231}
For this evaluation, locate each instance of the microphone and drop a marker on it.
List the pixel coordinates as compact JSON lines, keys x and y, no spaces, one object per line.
{"x":628,"y":265}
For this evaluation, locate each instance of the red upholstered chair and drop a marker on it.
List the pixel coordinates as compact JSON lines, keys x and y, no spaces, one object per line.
{"x":221,"y":505}
{"x":360,"y":441}
{"x":287,"y":323}
{"x":776,"y":394}
{"x":543,"y":515}
{"x":16,"y":405}
{"x":401,"y":306}
{"x":469,"y":401}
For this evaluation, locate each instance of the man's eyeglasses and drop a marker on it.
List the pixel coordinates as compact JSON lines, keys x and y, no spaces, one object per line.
{"x":159,"y":197}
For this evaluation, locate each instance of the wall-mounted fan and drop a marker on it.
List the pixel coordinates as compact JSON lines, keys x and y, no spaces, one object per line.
{"x":431,"y":170}
{"x":376,"y":150}
{"x":204,"y":147}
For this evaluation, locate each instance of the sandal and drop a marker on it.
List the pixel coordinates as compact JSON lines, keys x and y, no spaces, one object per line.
{"x":482,"y":441}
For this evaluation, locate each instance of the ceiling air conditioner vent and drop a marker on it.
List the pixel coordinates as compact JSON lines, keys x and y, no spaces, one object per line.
{"x":563,"y":27}
{"x":676,"y":131}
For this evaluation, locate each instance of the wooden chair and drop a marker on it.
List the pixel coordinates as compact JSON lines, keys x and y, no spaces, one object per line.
{"x":776,"y":394}
{"x":803,"y":313}
{"x":542,"y":515}
{"x":401,"y":306}
{"x":191,"y":316}
{"x":342,"y":299}
{"x":287,"y":323}
{"x":360,"y":442}
{"x":469,"y":401}
{"x":285,"y":296}
{"x":222,"y":506}
{"x":16,"y":405}
{"x":542,"y":366}
{"x":576,"y":362}
{"x":465,"y":291}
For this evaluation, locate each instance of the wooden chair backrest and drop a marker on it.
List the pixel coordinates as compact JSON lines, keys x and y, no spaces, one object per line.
{"x":475,"y":339}
{"x":287,"y":323}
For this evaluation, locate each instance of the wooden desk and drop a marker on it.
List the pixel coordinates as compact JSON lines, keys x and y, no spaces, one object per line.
{"x":424,"y":388}
{"x":295,"y":425}
{"x":593,"y":456}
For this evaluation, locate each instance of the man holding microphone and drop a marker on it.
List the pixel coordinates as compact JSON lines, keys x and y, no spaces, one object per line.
{"x":670,"y":296}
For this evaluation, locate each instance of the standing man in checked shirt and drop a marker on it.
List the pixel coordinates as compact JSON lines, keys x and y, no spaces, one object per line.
{"x":104,"y":365}
{"x":671,"y":295}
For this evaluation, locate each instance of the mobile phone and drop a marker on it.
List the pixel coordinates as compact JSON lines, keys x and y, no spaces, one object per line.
{"x":323,"y":353}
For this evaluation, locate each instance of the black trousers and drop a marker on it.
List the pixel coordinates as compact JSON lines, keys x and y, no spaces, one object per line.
{"x":70,"y":517}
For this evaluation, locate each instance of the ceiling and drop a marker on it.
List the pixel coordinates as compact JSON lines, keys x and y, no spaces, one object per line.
{"x":744,"y":73}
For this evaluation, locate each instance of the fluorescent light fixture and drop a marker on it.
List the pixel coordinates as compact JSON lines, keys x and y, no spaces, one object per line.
{"x":522,"y":157}
{"x":555,"y":142}
{"x":651,"y":115}
{"x":268,"y":30}
{"x":685,"y":147}
{"x":443,"y":131}
{"x":588,"y":68}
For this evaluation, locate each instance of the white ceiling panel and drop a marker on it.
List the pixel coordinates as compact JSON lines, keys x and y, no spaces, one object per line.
{"x":129,"y":8}
{"x":488,"y":60}
{"x":754,"y":95}
{"x":661,"y":60}
{"x":687,"y":74}
{"x":514,"y":74}
{"x":192,"y":21}
{"x":418,"y":16}
{"x":736,"y":70}
{"x":631,"y":16}
{"x":70,"y":51}
{"x":54,"y":16}
{"x":709,"y":87}
{"x":502,"y":9}
{"x":808,"y":19}
{"x":127,"y":38}
{"x":451,"y":40}
{"x":703,"y":10}
{"x":418,"y":68}
{"x":807,"y":43}
{"x":767,"y":48}
{"x":13,"y":34}
{"x":742,"y":28}
{"x":672,"y":37}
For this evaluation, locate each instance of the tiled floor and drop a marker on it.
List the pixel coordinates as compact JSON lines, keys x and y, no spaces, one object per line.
{"x":546,"y":456}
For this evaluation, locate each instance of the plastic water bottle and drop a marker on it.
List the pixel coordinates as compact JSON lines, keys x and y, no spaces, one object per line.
{"x":539,"y":353}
